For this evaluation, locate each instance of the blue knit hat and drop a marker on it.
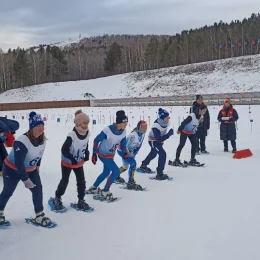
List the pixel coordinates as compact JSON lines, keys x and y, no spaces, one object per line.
{"x":162,"y":113}
{"x":35,"y":120}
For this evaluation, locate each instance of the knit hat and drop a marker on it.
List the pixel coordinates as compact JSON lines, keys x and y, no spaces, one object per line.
{"x":198,"y":97}
{"x":121,"y":117}
{"x":202,"y":106}
{"x":35,"y":120}
{"x":80,"y":117}
{"x":162,"y":113}
{"x":228,"y":100}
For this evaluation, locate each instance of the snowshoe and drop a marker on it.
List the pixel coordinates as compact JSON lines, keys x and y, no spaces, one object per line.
{"x":41,"y":221}
{"x":195,"y":163}
{"x":81,"y":206}
{"x":178,"y":163}
{"x":133,"y":186}
{"x":144,"y":169}
{"x":119,"y":180}
{"x":105,"y":196}
{"x":56,"y":205}
{"x":204,"y":152}
{"x":3,"y":222}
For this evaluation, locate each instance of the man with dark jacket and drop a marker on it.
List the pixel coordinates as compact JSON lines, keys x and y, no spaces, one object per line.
{"x":203,"y":127}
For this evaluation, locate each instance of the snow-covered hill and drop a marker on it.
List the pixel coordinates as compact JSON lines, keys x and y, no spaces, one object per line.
{"x":228,"y":76}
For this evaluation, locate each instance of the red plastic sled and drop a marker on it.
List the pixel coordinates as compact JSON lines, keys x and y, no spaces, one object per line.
{"x":242,"y":154}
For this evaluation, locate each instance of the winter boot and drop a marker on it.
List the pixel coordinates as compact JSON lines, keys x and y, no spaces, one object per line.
{"x":93,"y":190}
{"x":193,"y":162}
{"x":133,"y":186}
{"x":83,"y":205}
{"x":57,"y":203}
{"x":42,"y":220}
{"x":2,"y":218}
{"x":204,"y":152}
{"x":161,"y":176}
{"x":119,"y":180}
{"x":146,"y":169}
{"x":1,"y":173}
{"x":177,"y":162}
{"x":234,"y":150}
{"x":225,"y":149}
{"x":106,"y":194}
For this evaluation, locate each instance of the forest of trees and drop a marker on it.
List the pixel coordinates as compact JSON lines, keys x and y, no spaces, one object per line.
{"x":109,"y":55}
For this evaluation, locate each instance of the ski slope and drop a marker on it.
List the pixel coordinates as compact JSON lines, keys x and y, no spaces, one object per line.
{"x":208,"y":213}
{"x":240,"y":74}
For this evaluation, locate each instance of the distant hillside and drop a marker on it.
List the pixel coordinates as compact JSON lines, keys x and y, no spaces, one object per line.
{"x":230,"y":75}
{"x":107,"y":55}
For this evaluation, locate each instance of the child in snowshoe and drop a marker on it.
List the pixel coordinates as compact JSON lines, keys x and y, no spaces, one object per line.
{"x":133,"y":142}
{"x":74,"y":153}
{"x":228,"y":117}
{"x":156,"y":137}
{"x":23,"y":163}
{"x":104,"y":148}
{"x":188,"y":129}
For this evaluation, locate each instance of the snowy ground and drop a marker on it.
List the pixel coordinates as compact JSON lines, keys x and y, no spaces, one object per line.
{"x":232,"y":75}
{"x":209,"y":213}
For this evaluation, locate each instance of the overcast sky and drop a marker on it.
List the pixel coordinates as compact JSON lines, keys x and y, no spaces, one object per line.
{"x":26,"y":23}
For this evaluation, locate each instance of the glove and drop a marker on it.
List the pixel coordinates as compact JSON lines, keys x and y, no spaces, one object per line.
{"x":126,"y":155}
{"x":94,"y":158}
{"x":170,"y":133}
{"x":73,"y":161}
{"x":3,"y":137}
{"x":29,"y":184}
{"x":86,"y":158}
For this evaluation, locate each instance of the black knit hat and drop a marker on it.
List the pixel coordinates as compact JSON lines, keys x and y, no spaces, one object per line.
{"x":121,"y":117}
{"x":202,"y":106}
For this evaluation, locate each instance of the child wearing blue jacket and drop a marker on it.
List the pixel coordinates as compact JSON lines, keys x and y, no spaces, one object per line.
{"x":104,"y":148}
{"x":134,"y":142}
{"x":157,"y":136}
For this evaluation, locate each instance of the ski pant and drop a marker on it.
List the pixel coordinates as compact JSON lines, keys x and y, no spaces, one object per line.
{"x":233,"y":144}
{"x":11,"y":178}
{"x":126,"y":162}
{"x":200,"y":142}
{"x":156,"y":148}
{"x":183,"y":138}
{"x":80,"y":178}
{"x":109,"y":166}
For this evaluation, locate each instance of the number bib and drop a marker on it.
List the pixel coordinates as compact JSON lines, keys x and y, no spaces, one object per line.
{"x":77,"y":148}
{"x":33,"y":155}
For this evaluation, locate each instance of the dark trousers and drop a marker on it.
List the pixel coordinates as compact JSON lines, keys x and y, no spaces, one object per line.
{"x":12,"y":178}
{"x":156,"y":148}
{"x":183,"y":138}
{"x":80,"y":178}
{"x":233,"y":144}
{"x":200,"y":142}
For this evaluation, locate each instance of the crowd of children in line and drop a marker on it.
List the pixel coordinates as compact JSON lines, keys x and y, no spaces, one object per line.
{"x":24,"y":160}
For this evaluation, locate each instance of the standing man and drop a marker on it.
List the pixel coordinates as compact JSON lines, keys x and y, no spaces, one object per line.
{"x":203,"y":127}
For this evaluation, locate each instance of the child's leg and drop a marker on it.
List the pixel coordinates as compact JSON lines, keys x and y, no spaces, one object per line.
{"x":131,"y":172}
{"x":115,"y":173}
{"x":193,"y":146}
{"x":11,"y":179}
{"x":183,"y":138}
{"x":65,"y":171}
{"x":151,"y":155}
{"x":81,"y":183}
{"x":37,"y":191}
{"x":104,"y":174}
{"x":162,"y":157}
